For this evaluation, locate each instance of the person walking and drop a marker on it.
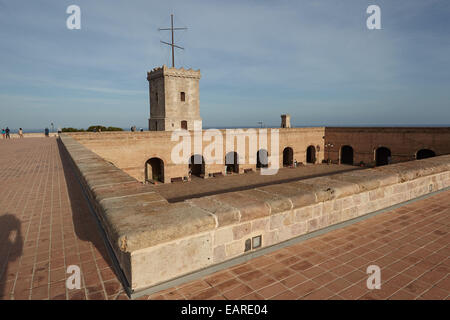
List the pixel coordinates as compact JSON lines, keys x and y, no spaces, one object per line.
{"x":20,"y":133}
{"x":7,"y":133}
{"x":3,"y":133}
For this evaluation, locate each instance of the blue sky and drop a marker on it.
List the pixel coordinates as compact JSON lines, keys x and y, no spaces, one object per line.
{"x":313,"y":59}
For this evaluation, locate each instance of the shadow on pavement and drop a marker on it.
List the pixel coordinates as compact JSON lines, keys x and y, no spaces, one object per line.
{"x":85,"y":223}
{"x":11,"y":246}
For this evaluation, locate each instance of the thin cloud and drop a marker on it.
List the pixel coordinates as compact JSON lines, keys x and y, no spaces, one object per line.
{"x":313,"y":59}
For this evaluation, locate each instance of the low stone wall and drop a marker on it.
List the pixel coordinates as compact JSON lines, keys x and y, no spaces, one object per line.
{"x":155,"y":241}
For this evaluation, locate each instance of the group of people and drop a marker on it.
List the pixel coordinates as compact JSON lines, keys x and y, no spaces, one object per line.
{"x":6,"y":133}
{"x":133,"y":129}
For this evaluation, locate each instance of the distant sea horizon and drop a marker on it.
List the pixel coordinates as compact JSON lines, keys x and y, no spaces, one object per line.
{"x":39,"y":130}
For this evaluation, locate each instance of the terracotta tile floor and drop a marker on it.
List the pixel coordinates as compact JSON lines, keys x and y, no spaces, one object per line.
{"x":45,"y":226}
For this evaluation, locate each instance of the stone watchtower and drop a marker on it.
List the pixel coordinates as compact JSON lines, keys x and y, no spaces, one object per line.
{"x":174,"y":99}
{"x":285,"y":121}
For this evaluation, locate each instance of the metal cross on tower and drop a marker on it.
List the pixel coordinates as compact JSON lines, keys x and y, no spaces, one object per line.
{"x":172,"y":44}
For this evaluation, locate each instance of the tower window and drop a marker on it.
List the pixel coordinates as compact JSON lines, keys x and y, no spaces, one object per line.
{"x":183,"y":96}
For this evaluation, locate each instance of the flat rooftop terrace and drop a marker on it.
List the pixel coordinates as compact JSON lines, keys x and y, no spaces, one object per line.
{"x":46,"y":225}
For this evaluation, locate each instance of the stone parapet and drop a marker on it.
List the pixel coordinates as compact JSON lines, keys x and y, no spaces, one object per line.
{"x":173,"y":72}
{"x":156,"y":241}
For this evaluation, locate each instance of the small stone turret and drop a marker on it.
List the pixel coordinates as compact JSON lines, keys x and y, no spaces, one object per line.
{"x":285,"y":121}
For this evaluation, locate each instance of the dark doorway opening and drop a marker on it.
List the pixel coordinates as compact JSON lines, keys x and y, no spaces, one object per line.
{"x":184,"y":125}
{"x":197,"y":165}
{"x":154,"y":170}
{"x":232,"y":162}
{"x":347,"y":155}
{"x":311,"y":154}
{"x":288,"y":157}
{"x":383,"y":156}
{"x":262,"y":158}
{"x":425,"y":153}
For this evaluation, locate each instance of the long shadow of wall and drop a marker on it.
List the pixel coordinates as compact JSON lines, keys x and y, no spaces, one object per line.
{"x":11,"y":246}
{"x":84,"y":221}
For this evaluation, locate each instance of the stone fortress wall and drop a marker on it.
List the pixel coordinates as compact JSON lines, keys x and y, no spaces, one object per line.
{"x":403,"y":144}
{"x":155,"y":241}
{"x":174,"y":98}
{"x":132,"y":151}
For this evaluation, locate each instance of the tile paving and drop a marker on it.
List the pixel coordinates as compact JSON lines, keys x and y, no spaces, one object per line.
{"x":45,"y":226}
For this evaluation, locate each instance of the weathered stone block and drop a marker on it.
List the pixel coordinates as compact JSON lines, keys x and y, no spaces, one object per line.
{"x":376,"y":194}
{"x":146,"y":199}
{"x":285,"y":233}
{"x":270,"y":238}
{"x":299,"y":228}
{"x":234,"y":249}
{"x":323,"y":221}
{"x":298,"y":197}
{"x":137,"y":227}
{"x":260,"y":225}
{"x":226,"y":214}
{"x":154,"y":265}
{"x":280,"y":220}
{"x":303,"y":214}
{"x":223,"y":236}
{"x":337,"y":205}
{"x":121,"y":190}
{"x":249,"y":208}
{"x":331,"y":189}
{"x":94,"y":180}
{"x":242,"y":230}
{"x":219,"y":254}
{"x":347,"y":214}
{"x":367,"y":179}
{"x":321,"y":192}
{"x":327,"y":206}
{"x":317,"y":210}
{"x":399,"y":188}
{"x":313,"y":224}
{"x":275,"y":202}
{"x":335,"y":217}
